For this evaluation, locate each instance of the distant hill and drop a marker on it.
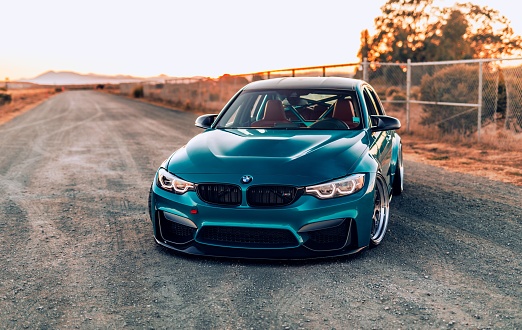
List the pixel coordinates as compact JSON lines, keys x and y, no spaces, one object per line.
{"x":72,"y":78}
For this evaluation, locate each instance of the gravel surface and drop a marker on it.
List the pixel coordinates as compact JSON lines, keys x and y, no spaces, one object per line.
{"x":77,"y":248}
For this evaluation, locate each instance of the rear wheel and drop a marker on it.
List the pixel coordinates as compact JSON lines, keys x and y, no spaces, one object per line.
{"x":381,"y":213}
{"x":398,"y":179}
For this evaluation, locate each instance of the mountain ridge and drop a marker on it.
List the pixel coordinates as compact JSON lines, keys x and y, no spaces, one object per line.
{"x":73,"y":78}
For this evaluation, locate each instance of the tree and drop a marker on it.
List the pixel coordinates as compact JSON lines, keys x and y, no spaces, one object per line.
{"x":420,"y":31}
{"x":490,"y":32}
{"x":450,"y":43}
{"x":365,"y":44}
{"x":401,"y":30}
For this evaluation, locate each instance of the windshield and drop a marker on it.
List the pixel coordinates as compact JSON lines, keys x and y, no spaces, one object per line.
{"x":293,"y":109}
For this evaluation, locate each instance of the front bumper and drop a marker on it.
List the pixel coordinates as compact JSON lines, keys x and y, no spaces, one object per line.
{"x":308,"y":228}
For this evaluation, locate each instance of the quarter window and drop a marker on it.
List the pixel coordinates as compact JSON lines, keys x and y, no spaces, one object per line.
{"x":370,"y":103}
{"x":376,"y":102}
{"x":373,"y":103}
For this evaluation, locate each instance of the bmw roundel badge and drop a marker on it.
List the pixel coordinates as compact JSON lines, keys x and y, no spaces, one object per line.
{"x":245,"y":179}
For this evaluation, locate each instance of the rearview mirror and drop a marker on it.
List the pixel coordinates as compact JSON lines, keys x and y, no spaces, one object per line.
{"x":205,"y":121}
{"x":384,"y":123}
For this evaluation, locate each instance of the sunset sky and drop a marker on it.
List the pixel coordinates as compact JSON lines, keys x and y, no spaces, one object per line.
{"x":186,"y":38}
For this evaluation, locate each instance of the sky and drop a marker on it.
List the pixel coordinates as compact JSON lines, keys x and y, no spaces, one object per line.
{"x":185,"y":38}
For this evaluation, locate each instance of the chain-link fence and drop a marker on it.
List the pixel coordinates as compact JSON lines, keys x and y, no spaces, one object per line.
{"x":210,"y":95}
{"x":475,"y":99}
{"x":471,"y":99}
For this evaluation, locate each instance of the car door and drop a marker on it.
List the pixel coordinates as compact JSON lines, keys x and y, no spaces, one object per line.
{"x":380,"y":142}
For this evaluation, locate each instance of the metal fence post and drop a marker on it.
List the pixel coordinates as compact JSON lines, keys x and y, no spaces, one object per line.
{"x":479,"y":116}
{"x":365,"y":69}
{"x":408,"y":91}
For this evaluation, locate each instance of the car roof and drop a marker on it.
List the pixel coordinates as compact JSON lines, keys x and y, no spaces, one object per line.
{"x":305,"y":83}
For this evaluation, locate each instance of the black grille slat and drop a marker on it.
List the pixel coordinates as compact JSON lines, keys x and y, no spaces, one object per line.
{"x":271,"y":195}
{"x":247,"y":237}
{"x":223,"y":194}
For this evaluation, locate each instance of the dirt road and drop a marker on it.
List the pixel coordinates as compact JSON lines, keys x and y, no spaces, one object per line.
{"x":77,"y":249}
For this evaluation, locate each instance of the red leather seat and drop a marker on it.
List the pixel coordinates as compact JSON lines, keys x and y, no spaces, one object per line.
{"x":274,"y":114}
{"x":344,"y":111}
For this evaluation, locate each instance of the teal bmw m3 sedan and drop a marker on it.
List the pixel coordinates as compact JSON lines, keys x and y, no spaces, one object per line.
{"x":291,"y":168}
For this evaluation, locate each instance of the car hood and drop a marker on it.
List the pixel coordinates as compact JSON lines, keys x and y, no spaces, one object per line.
{"x":270,"y":156}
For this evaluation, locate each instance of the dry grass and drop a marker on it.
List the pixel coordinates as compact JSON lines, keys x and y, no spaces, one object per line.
{"x":491,"y":137}
{"x":498,"y":156}
{"x":478,"y":160}
{"x":22,"y":101}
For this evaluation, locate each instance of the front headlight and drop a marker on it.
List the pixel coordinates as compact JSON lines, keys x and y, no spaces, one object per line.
{"x":337,"y":188}
{"x":172,"y":183}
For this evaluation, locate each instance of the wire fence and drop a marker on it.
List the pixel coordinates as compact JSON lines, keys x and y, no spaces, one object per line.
{"x":471,"y":98}
{"x":474,"y":99}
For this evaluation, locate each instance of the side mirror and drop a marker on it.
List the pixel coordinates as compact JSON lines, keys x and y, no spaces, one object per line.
{"x":384,"y":123}
{"x":205,"y":121}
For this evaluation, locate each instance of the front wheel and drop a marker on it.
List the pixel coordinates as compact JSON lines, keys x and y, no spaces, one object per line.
{"x":381,"y":213}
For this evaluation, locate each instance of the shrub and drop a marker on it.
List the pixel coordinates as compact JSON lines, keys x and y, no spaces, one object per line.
{"x":415,"y":92}
{"x":212,"y":97}
{"x":391,"y":91}
{"x":400,"y":96}
{"x":5,"y":98}
{"x":187,"y":105}
{"x":236,"y":80}
{"x":511,"y":110}
{"x":137,"y":92}
{"x":388,"y":75}
{"x":396,"y":96}
{"x":455,"y":84}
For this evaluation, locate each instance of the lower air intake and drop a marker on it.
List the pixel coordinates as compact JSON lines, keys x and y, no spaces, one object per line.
{"x":175,"y":232}
{"x":247,"y":237}
{"x":332,"y":238}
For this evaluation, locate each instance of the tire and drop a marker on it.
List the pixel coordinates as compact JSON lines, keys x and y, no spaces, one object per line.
{"x":381,"y":212}
{"x":398,"y":179}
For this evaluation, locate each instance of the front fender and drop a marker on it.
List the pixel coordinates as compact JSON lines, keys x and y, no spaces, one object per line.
{"x":396,"y":152}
